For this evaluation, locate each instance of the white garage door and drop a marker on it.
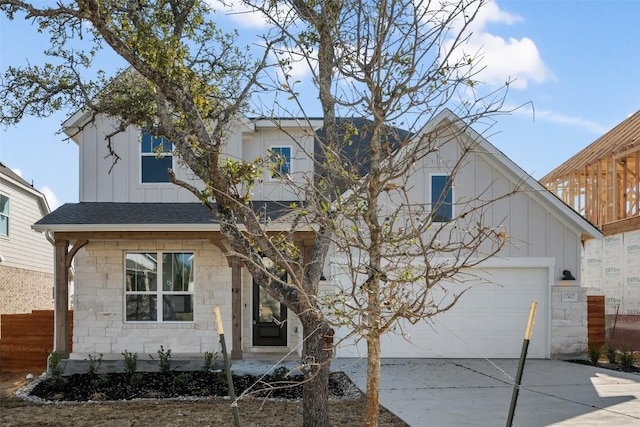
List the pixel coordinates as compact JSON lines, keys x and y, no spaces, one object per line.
{"x":488,"y":321}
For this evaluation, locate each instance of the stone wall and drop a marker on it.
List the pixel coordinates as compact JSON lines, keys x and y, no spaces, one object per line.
{"x":568,"y":321}
{"x":99,"y":325}
{"x":24,"y":290}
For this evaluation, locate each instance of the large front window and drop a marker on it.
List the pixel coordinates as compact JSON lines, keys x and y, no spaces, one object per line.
{"x":156,"y":158}
{"x":4,"y":215}
{"x":159,"y":287}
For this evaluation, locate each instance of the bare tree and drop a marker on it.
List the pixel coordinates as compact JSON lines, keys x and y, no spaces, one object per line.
{"x":395,"y":63}
{"x":189,"y":82}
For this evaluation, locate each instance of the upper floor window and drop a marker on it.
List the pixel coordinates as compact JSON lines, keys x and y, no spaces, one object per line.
{"x":281,"y":161}
{"x":4,"y":215}
{"x":441,"y":198}
{"x":159,"y":287}
{"x":156,"y":158}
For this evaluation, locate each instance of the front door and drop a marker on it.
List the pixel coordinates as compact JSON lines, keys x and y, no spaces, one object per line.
{"x":269,"y":319}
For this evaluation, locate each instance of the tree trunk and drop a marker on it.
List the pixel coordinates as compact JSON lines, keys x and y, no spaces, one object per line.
{"x":372,"y":408}
{"x":316,"y":358}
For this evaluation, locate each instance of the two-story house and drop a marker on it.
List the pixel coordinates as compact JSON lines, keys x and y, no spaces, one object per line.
{"x":26,"y":257}
{"x":150,"y":262}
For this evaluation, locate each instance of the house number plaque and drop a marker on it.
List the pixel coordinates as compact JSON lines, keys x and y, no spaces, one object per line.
{"x":569,"y":297}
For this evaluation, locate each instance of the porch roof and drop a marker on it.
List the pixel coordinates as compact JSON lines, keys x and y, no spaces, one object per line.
{"x":87,"y":216}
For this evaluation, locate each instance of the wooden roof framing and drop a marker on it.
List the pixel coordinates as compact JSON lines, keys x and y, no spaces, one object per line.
{"x":602,"y":182}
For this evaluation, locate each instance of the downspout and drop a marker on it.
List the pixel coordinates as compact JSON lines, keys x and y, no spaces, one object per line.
{"x":47,"y":235}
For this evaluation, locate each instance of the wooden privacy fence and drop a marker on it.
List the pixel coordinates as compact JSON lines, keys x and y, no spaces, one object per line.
{"x":27,"y":340}
{"x":596,"y":321}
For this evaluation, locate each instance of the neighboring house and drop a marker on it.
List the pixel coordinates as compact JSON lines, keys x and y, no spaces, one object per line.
{"x":26,"y":257}
{"x":602,"y":182}
{"x":150,"y":261}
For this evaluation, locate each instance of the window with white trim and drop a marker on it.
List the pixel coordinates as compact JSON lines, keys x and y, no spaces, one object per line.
{"x":441,"y":198}
{"x":155,"y":158}
{"x":159,"y":286}
{"x":4,"y":215}
{"x":280,"y":161}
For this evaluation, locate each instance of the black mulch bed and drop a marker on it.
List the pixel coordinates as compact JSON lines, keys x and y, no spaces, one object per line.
{"x":85,"y":387}
{"x":611,"y":366}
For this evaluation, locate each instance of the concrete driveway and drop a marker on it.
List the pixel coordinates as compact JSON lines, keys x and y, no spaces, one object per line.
{"x":474,"y":392}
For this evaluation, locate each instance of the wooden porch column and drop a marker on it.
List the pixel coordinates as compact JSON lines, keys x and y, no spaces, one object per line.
{"x":236,"y":308}
{"x":63,"y":259}
{"x":61,"y":300}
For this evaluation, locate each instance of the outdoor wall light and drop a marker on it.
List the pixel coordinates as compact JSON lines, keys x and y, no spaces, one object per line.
{"x":566,"y":275}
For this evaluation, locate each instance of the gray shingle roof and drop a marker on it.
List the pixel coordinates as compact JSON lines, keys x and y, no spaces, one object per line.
{"x":107,"y":213}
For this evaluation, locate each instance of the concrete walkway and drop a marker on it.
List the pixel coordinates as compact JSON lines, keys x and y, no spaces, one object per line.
{"x":473,"y":392}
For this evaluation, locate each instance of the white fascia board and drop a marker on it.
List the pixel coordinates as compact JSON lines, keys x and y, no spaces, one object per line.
{"x":314,"y":124}
{"x":77,"y":120}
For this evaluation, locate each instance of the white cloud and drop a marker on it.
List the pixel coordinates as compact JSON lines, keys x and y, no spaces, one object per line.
{"x":51,"y":197}
{"x":513,"y":60}
{"x":490,"y":13}
{"x":17,"y":172}
{"x":502,"y":60}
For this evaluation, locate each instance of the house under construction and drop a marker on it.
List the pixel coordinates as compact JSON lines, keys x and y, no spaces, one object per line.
{"x":602,"y":181}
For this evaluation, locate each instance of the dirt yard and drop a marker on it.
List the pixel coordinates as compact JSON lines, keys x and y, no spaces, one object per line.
{"x":155,"y":413}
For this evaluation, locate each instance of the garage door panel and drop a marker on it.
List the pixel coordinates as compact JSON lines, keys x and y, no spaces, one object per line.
{"x":488,"y":321}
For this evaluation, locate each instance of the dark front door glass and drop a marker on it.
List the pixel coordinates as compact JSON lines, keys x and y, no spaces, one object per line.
{"x":269,"y":319}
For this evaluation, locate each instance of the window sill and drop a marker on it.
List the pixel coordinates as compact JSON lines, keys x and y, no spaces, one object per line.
{"x":159,"y":325}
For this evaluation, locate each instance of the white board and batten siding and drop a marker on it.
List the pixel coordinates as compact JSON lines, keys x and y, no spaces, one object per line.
{"x":103,"y":181}
{"x":532,"y":228}
{"x":24,"y":248}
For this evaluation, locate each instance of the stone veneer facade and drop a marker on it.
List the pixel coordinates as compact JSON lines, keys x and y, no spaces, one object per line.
{"x":22,"y":291}
{"x":569,"y":335}
{"x":99,"y":326}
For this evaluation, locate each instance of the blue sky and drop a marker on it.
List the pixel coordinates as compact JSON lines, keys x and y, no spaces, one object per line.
{"x":576,"y":61}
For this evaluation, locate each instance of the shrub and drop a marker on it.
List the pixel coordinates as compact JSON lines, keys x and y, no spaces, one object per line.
{"x":627,"y":359}
{"x":164,"y":358}
{"x":594,"y":354}
{"x":612,"y":353}
{"x":181,"y":379}
{"x":280,"y":373}
{"x":208,"y":360}
{"x":100,"y":381}
{"x":56,"y":369}
{"x":94,"y":364}
{"x":136,"y":379}
{"x":130,"y":363}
